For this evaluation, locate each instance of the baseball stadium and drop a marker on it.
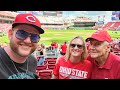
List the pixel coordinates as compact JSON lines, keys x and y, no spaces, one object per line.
{"x":59,"y":30}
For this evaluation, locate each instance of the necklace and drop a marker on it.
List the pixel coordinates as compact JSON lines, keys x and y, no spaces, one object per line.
{"x":17,"y":69}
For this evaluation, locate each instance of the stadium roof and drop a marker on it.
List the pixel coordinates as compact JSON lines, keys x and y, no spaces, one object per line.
{"x":8,"y":13}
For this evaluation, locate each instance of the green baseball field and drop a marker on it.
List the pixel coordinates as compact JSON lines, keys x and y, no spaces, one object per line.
{"x":63,"y":35}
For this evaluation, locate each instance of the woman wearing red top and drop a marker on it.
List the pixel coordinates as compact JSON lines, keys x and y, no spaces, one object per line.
{"x":73,"y":65}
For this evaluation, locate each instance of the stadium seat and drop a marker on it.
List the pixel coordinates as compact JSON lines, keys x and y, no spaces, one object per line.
{"x":117,"y":53}
{"x":48,"y":59}
{"x":45,"y":62}
{"x":51,"y":61}
{"x":41,"y":67}
{"x":45,"y":74}
{"x":50,"y":66}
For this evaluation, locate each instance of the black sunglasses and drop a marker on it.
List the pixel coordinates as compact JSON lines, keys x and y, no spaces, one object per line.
{"x":79,"y":46}
{"x":22,"y":35}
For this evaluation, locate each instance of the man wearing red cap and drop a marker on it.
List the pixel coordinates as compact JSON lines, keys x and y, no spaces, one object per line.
{"x":16,"y":61}
{"x":106,"y":65}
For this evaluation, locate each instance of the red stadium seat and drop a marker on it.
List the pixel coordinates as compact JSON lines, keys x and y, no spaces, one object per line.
{"x":50,"y":66}
{"x":45,"y":62}
{"x":117,"y":53}
{"x":51,"y":61}
{"x":41,"y":67}
{"x":45,"y":74}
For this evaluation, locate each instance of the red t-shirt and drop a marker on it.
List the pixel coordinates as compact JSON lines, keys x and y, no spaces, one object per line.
{"x":64,"y":47}
{"x":110,"y":70}
{"x":68,"y":70}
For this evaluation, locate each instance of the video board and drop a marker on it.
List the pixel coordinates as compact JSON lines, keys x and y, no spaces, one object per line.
{"x":115,"y":15}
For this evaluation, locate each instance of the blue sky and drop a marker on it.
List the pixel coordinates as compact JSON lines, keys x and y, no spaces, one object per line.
{"x":91,"y":14}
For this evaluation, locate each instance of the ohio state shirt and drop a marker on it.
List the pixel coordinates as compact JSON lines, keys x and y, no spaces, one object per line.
{"x":68,"y":70}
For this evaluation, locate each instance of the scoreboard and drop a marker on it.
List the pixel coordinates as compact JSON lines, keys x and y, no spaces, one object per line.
{"x":115,"y":16}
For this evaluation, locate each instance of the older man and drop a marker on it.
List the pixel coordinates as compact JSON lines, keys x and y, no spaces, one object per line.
{"x":106,"y":65}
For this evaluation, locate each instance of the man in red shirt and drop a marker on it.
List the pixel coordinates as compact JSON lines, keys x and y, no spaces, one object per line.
{"x":63,"y":48}
{"x":106,"y":65}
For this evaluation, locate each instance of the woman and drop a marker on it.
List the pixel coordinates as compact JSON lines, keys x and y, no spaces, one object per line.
{"x":73,"y":65}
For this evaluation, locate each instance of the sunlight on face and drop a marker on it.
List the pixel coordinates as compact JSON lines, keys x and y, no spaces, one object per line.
{"x":97,"y":49}
{"x":23,"y":47}
{"x":76,"y":51}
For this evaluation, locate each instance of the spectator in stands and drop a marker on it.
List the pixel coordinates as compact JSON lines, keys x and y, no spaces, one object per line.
{"x":63,"y":48}
{"x":73,"y":65}
{"x":56,"y":48}
{"x":36,"y":53}
{"x":16,"y":61}
{"x":42,"y":54}
{"x":52,"y":45}
{"x":106,"y":65}
{"x":87,"y":44}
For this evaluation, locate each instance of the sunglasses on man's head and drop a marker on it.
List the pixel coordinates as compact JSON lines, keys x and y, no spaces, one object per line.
{"x":78,"y":45}
{"x":22,"y":35}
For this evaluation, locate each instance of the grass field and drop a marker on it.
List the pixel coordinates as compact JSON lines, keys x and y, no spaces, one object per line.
{"x":63,"y":35}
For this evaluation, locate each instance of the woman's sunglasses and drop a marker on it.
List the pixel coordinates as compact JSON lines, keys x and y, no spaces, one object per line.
{"x":22,"y":35}
{"x":74,"y":45}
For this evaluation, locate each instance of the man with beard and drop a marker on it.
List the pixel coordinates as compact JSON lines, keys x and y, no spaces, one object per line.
{"x":16,"y":61}
{"x":106,"y":65}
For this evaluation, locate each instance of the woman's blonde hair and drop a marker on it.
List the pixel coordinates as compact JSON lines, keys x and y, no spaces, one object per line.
{"x":84,"y":54}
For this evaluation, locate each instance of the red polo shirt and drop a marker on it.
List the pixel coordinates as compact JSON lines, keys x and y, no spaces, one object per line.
{"x":110,"y":70}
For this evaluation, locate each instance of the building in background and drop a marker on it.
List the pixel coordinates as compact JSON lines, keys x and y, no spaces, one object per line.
{"x":45,"y":13}
{"x":84,"y":23}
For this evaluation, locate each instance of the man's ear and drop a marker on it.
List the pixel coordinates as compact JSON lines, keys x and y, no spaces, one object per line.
{"x":10,"y":33}
{"x":109,"y":47}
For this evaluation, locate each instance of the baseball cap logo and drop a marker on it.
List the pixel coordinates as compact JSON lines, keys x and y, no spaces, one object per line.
{"x":31,"y":18}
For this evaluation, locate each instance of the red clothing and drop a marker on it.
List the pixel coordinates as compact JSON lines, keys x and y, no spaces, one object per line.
{"x":63,"y":48}
{"x":52,"y":45}
{"x":68,"y":70}
{"x":110,"y":70}
{"x":55,"y":45}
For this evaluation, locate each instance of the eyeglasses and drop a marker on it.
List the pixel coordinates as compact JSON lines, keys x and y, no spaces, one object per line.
{"x":22,"y":35}
{"x":79,"y":46}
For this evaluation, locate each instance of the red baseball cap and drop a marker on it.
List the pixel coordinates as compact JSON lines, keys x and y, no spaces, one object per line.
{"x":28,"y":19}
{"x":100,"y":35}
